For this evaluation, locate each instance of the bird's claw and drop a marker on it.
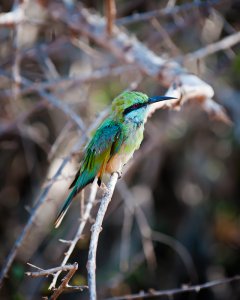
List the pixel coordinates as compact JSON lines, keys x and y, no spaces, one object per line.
{"x":119,"y":174}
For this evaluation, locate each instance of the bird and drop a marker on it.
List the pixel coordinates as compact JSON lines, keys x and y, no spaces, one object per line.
{"x":113,"y":143}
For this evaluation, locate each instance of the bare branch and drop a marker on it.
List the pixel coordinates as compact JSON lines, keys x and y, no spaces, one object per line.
{"x":110,"y":14}
{"x":144,"y":228}
{"x":78,"y":233}
{"x":165,"y":12}
{"x":172,"y":292}
{"x":45,"y":273}
{"x":64,"y":285}
{"x":223,"y":44}
{"x":71,"y":269}
{"x":180,"y":250}
{"x":70,"y":82}
{"x":96,"y":229}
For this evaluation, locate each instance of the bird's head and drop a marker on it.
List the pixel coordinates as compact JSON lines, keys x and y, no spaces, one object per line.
{"x":134,"y":105}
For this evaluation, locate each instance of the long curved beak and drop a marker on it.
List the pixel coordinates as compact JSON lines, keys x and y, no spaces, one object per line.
{"x":159,"y":98}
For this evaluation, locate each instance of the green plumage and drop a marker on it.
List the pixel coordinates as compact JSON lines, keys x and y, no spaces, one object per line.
{"x":105,"y":143}
{"x":113,"y":143}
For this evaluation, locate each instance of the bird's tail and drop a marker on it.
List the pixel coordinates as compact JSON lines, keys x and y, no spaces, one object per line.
{"x":65,"y":207}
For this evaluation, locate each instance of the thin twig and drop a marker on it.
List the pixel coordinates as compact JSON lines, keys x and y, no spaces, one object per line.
{"x":70,"y":82}
{"x":96,"y":229}
{"x":110,"y":15}
{"x":63,"y":107}
{"x":45,"y":273}
{"x":125,"y":239}
{"x":65,"y":282}
{"x":223,"y":44}
{"x":62,"y":135}
{"x":78,"y":234}
{"x":144,"y":228}
{"x":168,"y":11}
{"x":181,"y":250}
{"x":172,"y":292}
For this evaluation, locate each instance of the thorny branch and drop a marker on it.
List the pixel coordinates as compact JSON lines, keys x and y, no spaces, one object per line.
{"x":64,"y":286}
{"x":45,"y":273}
{"x":170,"y":293}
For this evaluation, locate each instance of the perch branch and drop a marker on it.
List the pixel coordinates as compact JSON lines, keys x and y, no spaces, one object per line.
{"x":172,"y":292}
{"x":96,"y":229}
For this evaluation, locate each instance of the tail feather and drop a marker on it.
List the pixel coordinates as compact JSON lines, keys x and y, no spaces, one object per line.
{"x":84,"y":180}
{"x":65,"y":207}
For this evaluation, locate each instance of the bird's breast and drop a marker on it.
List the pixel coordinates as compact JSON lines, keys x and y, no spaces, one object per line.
{"x":132,"y":142}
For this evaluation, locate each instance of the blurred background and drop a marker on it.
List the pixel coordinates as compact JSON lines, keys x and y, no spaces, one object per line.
{"x":179,"y":196}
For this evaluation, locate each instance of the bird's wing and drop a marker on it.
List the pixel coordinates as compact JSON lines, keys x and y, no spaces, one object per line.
{"x":105,"y":143}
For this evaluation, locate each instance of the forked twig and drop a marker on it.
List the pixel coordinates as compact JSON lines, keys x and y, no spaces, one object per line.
{"x":64,"y":286}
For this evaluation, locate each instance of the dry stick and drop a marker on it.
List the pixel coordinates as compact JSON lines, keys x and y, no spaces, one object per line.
{"x":148,"y":234}
{"x":63,"y":107}
{"x":180,"y":249}
{"x":142,"y":224}
{"x":223,"y":44}
{"x":62,"y":135}
{"x":78,"y":234}
{"x":110,"y":14}
{"x":76,"y":80}
{"x":64,"y":283}
{"x":45,"y":273}
{"x":172,"y":292}
{"x":125,"y":239}
{"x":168,"y":11}
{"x":96,"y":229}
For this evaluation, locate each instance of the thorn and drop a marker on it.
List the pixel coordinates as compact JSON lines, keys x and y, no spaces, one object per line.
{"x":65,"y":241}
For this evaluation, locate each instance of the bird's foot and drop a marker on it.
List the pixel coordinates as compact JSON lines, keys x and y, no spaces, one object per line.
{"x":119,"y":174}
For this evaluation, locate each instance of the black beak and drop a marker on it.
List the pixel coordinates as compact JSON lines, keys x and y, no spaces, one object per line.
{"x":159,"y":98}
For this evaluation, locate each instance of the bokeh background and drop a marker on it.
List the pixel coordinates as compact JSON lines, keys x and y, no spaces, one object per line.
{"x":182,"y":187}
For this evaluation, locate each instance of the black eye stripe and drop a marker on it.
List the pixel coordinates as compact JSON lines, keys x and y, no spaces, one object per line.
{"x":133,"y":107}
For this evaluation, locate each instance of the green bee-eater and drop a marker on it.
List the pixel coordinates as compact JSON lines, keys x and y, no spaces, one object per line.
{"x":113,"y":143}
